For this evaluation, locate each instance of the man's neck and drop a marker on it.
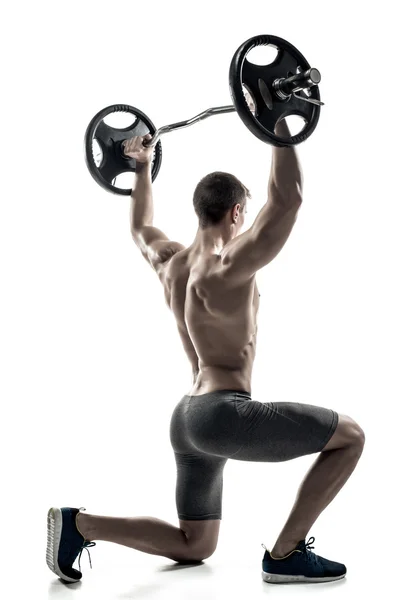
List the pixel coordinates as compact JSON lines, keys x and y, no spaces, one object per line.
{"x":211,"y":240}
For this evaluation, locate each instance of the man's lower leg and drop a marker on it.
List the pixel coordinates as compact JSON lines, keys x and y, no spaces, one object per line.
{"x":323,"y":481}
{"x":146,"y":534}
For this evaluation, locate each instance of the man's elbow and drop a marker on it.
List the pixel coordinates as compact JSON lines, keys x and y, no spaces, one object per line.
{"x":136,"y":228}
{"x":137,"y":236}
{"x":289,"y":197}
{"x":297,"y":197}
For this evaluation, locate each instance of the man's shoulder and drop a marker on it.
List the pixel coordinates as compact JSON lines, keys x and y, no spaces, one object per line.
{"x":175,"y":263}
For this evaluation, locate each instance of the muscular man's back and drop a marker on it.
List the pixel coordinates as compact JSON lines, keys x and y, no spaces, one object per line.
{"x":210,"y":286}
{"x":217,"y":320}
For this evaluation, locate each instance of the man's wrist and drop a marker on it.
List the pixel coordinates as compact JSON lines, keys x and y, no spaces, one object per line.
{"x":143,"y":167}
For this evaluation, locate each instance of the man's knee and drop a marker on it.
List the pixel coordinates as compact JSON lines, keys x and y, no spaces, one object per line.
{"x":202,"y":538}
{"x":357,"y":434}
{"x":348,"y":433}
{"x":195,"y":555}
{"x":201,"y":552}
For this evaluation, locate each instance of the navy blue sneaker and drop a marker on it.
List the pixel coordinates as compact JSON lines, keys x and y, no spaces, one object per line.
{"x":300,"y":565}
{"x":64,"y":543}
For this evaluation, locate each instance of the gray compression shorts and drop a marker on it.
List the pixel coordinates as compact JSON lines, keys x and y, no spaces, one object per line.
{"x":207,"y":430}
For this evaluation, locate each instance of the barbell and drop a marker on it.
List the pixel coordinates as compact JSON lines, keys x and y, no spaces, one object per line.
{"x":262,"y":96}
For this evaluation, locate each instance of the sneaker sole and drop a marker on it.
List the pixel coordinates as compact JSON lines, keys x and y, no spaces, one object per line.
{"x":275,"y":578}
{"x":54,"y":527}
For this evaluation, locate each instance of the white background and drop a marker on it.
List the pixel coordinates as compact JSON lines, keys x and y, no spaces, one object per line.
{"x":91,"y":364}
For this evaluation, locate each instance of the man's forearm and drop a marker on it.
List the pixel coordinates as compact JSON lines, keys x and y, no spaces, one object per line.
{"x":142,"y":209}
{"x":286,"y":175}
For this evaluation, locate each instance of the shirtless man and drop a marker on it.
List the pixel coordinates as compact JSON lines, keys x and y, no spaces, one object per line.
{"x":211,"y":289}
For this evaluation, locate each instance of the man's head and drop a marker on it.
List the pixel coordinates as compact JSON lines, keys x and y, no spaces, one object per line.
{"x":220,"y":201}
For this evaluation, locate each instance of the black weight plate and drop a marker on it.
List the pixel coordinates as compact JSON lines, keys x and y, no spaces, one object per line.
{"x":269,"y":108}
{"x":110,"y":140}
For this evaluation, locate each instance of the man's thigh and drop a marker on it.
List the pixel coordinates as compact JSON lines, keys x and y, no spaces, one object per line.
{"x":281,"y":431}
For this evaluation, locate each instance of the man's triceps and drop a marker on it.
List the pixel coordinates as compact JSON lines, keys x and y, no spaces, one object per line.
{"x":155,"y":246}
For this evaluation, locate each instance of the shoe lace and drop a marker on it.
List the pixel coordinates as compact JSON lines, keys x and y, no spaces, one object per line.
{"x":311,"y":557}
{"x":85,"y":546}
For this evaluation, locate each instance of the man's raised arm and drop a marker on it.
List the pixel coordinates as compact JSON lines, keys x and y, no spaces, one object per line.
{"x":155,"y":246}
{"x":258,"y":246}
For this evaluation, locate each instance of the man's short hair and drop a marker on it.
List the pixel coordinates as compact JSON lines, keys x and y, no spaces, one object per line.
{"x":215,"y":194}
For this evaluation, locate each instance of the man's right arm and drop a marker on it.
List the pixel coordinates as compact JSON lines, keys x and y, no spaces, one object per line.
{"x":252,"y":250}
